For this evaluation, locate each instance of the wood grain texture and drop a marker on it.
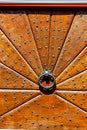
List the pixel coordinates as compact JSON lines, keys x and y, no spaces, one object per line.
{"x":60,"y":24}
{"x":75,"y":42}
{"x":45,"y":112}
{"x":16,"y":26}
{"x":78,"y":82}
{"x":78,"y":65}
{"x":12,"y":99}
{"x":10,"y":79}
{"x":30,"y":42}
{"x":40,"y":24}
{"x":77,"y":98}
{"x":10,"y":57}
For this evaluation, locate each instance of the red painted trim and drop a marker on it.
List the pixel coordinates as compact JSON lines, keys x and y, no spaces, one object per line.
{"x":41,"y":5}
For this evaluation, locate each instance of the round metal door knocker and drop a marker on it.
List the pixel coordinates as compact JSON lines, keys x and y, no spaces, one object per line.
{"x":46,"y":81}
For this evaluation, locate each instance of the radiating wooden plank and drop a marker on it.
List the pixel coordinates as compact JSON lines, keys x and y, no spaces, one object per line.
{"x":76,"y":97}
{"x":10,"y":57}
{"x":76,"y":67}
{"x":12,"y":99}
{"x":45,"y":112}
{"x":75,"y":42}
{"x":78,"y":82}
{"x":16,"y":26}
{"x":40,"y":24}
{"x":60,"y":24}
{"x":10,"y":79}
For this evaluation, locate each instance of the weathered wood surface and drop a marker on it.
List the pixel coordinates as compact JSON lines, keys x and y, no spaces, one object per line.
{"x":31,"y":41}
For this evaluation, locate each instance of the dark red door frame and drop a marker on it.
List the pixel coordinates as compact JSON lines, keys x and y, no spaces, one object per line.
{"x":43,"y":5}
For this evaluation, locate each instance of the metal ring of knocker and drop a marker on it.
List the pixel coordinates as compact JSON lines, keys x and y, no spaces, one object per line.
{"x":48,"y":77}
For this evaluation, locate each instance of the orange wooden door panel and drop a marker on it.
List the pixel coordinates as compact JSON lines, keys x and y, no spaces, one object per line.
{"x":75,"y":42}
{"x":60,"y":25}
{"x":21,"y":36}
{"x":34,"y":42}
{"x":40,"y":24}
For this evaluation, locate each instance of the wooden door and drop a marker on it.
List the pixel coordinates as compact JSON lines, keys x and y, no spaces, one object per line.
{"x":35,"y":44}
